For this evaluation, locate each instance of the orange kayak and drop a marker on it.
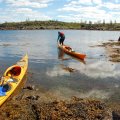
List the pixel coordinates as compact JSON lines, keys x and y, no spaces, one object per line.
{"x":68,"y":50}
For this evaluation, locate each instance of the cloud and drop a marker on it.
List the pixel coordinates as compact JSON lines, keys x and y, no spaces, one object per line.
{"x":21,"y":14}
{"x":24,"y":10}
{"x":29,"y":3}
{"x":42,"y":1}
{"x":84,"y":2}
{"x":97,"y":1}
{"x":71,"y":17}
{"x":71,"y":10}
{"x":66,"y":93}
{"x":57,"y":71}
{"x":111,"y":6}
{"x":20,"y":10}
{"x":77,"y":7}
{"x":93,"y":10}
{"x":86,"y":13}
{"x":99,"y":69}
{"x":117,"y":1}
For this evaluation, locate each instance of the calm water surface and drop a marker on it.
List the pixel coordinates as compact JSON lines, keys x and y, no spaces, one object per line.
{"x":98,"y":78}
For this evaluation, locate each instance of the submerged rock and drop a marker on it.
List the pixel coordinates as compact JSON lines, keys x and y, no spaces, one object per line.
{"x":113,"y":50}
{"x":116,"y":115}
{"x":30,"y":87}
{"x":34,"y":97}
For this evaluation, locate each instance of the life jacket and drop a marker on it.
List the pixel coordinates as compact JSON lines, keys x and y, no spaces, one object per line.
{"x":62,"y":34}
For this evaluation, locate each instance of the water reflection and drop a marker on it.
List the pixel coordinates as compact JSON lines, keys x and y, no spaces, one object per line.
{"x":57,"y":71}
{"x":97,"y":69}
{"x":66,"y":68}
{"x":8,"y":44}
{"x":52,"y":68}
{"x":61,"y":55}
{"x":66,"y":93}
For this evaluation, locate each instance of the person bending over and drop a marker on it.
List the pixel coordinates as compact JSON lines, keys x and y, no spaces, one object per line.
{"x":61,"y":37}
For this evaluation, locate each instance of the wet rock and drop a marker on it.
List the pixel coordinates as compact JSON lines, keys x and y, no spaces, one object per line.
{"x":116,"y":115}
{"x":113,"y":50}
{"x":34,"y":97}
{"x":36,"y":111}
{"x":29,"y":87}
{"x":74,"y":109}
{"x":36,"y":89}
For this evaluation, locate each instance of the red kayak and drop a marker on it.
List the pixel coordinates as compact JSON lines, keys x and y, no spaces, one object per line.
{"x":68,"y":50}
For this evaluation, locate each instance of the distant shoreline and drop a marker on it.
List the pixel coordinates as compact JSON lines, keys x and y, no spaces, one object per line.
{"x":50,"y":25}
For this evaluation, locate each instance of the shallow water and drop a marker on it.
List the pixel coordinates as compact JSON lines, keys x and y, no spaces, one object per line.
{"x":98,"y":78}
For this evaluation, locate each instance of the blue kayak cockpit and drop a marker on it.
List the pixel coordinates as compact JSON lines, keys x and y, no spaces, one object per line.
{"x":4,"y":88}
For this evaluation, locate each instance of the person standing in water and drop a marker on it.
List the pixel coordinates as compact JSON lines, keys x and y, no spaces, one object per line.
{"x":61,"y":37}
{"x":119,"y":39}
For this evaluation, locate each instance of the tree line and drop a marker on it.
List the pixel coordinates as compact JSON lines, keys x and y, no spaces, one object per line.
{"x":53,"y":24}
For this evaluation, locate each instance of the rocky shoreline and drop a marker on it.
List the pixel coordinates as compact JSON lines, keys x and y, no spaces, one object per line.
{"x":27,"y":105}
{"x":30,"y":104}
{"x":112,"y":49}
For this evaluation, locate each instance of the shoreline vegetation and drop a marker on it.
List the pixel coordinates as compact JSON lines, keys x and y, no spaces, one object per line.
{"x":52,"y":24}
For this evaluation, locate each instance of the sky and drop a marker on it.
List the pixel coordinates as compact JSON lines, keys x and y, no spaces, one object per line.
{"x":61,"y":10}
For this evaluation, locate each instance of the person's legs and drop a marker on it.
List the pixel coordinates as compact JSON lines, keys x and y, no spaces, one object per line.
{"x":62,"y":40}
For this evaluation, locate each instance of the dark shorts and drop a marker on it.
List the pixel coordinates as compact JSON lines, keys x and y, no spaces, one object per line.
{"x":62,"y":40}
